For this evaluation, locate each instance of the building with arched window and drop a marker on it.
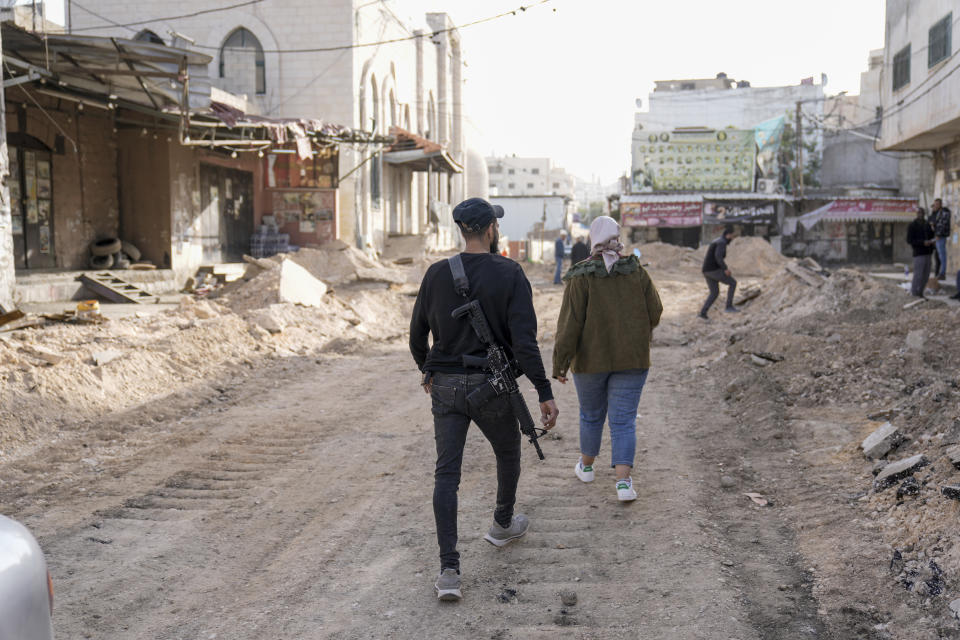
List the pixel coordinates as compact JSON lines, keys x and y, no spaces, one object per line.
{"x":298,"y":59}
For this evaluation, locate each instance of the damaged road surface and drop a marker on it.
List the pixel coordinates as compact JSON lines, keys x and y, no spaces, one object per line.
{"x":296,"y":504}
{"x":247,"y":482}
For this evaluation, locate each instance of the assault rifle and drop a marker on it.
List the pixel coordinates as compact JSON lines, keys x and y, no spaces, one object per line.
{"x":503,"y":374}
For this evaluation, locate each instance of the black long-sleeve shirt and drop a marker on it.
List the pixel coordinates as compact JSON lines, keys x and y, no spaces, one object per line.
{"x":716,"y":252}
{"x":505,"y":295}
{"x":918,"y":233}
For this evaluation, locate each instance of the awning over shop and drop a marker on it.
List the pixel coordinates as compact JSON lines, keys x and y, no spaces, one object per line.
{"x":857,"y":209}
{"x":418,"y":153}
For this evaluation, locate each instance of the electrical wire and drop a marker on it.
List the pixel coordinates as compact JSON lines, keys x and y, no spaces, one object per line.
{"x":42,"y":110}
{"x":164,"y":19}
{"x":356,"y":45}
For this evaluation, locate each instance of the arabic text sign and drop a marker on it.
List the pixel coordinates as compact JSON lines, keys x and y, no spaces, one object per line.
{"x":724,"y":212}
{"x":693,"y":161}
{"x":661,"y":214}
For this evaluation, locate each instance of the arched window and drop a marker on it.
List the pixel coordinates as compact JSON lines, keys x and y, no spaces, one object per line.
{"x":431,"y":132}
{"x":242,"y":63}
{"x":393,"y":109}
{"x":148,"y":36}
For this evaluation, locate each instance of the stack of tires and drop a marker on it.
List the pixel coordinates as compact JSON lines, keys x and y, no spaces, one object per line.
{"x":113,"y":253}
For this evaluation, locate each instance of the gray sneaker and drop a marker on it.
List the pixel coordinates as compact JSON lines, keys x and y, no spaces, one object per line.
{"x":448,"y":586}
{"x":498,"y":536}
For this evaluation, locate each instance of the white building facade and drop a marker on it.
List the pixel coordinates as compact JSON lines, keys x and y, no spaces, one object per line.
{"x":299,"y":58}
{"x":513,"y":176}
{"x":920,"y":94}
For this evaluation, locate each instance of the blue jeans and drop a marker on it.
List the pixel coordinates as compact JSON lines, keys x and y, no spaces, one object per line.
{"x":614,"y":395}
{"x":942,"y":252}
{"x":558,"y":274}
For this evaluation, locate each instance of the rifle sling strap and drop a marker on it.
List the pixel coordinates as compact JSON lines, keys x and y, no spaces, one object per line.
{"x":460,"y":281}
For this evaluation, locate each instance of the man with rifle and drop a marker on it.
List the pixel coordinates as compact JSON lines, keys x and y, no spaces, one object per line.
{"x":478,"y":306}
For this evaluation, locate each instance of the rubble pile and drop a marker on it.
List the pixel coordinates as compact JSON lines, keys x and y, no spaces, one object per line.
{"x":846,"y":342}
{"x":58,"y":373}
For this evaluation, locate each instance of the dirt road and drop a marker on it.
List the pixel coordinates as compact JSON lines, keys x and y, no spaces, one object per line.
{"x":295,"y":503}
{"x":291,"y":498}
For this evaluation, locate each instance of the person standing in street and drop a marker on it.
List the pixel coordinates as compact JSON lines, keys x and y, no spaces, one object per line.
{"x":579,"y":252}
{"x":559,"y":253}
{"x":921,"y":238}
{"x":505,"y":295}
{"x":940,"y":220}
{"x":610,"y":308}
{"x":716,"y":271}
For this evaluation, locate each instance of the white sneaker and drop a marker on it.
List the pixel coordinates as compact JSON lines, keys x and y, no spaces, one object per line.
{"x":585,"y":473}
{"x":625,"y":491}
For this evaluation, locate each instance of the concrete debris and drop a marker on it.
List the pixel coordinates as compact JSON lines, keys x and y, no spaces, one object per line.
{"x":885,"y":438}
{"x":269,"y":319}
{"x":727,"y":482}
{"x":953,"y":453}
{"x":43,"y":354}
{"x":955,"y":608}
{"x":568,"y":598}
{"x":766,"y":355}
{"x":899,"y":470}
{"x":951,"y":491}
{"x":760,"y":362}
{"x":297,"y":286}
{"x":747,"y":294}
{"x":101,"y":358}
{"x":806,"y":275}
{"x":915,"y":340}
{"x":909,"y":487}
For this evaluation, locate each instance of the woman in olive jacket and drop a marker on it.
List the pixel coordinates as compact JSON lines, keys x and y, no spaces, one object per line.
{"x":610,"y":307}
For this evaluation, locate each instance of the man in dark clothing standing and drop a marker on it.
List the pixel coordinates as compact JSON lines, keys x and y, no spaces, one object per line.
{"x":715,"y":271}
{"x":579,"y":252}
{"x":940,"y":220}
{"x":920,"y":236}
{"x":559,"y":253}
{"x":505,"y":295}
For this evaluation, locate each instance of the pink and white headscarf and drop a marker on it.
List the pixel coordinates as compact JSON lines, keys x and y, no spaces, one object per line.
{"x":605,"y":240}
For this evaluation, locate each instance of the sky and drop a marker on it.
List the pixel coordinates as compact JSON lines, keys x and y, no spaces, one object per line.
{"x":561,"y":79}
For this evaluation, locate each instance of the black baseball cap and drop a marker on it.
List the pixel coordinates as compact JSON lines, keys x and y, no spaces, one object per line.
{"x":476,"y":214}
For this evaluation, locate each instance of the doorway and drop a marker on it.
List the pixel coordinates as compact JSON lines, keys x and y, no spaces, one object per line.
{"x":226,"y":219}
{"x":31,"y":202}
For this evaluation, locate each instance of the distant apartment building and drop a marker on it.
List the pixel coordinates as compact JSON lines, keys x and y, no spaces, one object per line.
{"x":513,"y":176}
{"x":919,"y":95}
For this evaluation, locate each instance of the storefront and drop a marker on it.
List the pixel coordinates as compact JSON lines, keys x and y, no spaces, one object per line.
{"x":671,"y":219}
{"x":853,"y":230}
{"x":301,"y":195}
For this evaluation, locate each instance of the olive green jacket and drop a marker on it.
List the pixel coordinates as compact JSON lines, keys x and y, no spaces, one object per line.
{"x":606,"y":319}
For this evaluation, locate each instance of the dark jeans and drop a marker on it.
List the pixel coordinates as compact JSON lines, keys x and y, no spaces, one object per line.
{"x":451,"y":419}
{"x":921,"y":274}
{"x":714,"y":278}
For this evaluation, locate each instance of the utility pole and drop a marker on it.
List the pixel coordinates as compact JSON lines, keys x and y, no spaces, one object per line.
{"x":798,"y":185}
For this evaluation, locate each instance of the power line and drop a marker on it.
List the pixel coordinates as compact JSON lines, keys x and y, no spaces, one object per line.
{"x":164,"y":19}
{"x":357,"y":45}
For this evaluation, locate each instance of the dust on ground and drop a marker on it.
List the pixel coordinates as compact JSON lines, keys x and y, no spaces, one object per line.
{"x":248,"y":467}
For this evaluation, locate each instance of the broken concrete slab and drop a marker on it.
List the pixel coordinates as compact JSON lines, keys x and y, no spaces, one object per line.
{"x":760,"y":362}
{"x":899,"y":470}
{"x":381,"y":274}
{"x":268,"y":318}
{"x":879,"y":443}
{"x":43,"y":354}
{"x":298,"y":286}
{"x":101,"y":358}
{"x":955,"y":608}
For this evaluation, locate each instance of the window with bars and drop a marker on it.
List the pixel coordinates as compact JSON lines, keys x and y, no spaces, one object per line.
{"x":938,"y":45}
{"x":901,"y":68}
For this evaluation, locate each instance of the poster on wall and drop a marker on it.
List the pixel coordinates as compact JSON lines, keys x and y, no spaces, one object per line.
{"x":701,"y":160}
{"x":308,"y":222}
{"x":44,"y":239}
{"x":43,"y":178}
{"x":31,"y":212}
{"x":43,"y":212}
{"x":17,"y":225}
{"x":16,"y":206}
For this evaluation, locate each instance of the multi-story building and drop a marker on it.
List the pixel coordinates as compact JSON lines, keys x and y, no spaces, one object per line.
{"x":301,"y":59}
{"x":920,"y":92}
{"x":513,"y":176}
